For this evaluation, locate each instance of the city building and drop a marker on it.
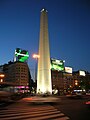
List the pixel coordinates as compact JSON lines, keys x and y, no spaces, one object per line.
{"x":81,"y":80}
{"x":57,"y":69}
{"x":17,"y":75}
{"x":57,"y":82}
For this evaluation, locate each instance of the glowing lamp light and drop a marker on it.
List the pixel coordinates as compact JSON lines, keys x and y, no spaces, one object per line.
{"x":76,"y":82}
{"x":36,"y":56}
{"x":88,"y":103}
{"x":1,"y":80}
{"x":2,"y":75}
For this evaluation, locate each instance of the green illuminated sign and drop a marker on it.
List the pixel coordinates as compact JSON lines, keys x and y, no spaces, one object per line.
{"x":57,"y":65}
{"x":22,"y":55}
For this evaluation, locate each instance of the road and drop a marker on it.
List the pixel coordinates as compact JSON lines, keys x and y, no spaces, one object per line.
{"x":65,"y":109}
{"x":75,"y":109}
{"x":26,"y":110}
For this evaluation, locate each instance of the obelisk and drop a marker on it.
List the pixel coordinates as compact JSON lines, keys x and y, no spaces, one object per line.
{"x":44,"y":84}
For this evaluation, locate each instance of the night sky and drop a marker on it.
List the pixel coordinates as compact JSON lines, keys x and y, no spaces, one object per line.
{"x":69,"y":30}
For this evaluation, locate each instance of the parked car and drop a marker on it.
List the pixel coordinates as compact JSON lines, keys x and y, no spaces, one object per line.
{"x":88,"y":93}
{"x":88,"y":104}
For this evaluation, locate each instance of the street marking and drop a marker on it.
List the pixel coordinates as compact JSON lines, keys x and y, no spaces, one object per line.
{"x":34,"y":112}
{"x":48,"y":117}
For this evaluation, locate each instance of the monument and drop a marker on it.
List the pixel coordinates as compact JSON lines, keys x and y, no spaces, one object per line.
{"x":44,"y":84}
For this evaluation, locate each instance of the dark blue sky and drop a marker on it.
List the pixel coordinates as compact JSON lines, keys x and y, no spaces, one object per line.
{"x":69,"y":30}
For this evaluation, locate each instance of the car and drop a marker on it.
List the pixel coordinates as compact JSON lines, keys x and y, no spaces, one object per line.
{"x":41,"y":99}
{"x":88,"y":104}
{"x":87,"y":93}
{"x":75,"y":96}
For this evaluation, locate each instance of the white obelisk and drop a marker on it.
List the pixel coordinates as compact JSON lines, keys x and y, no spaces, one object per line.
{"x":44,"y":84}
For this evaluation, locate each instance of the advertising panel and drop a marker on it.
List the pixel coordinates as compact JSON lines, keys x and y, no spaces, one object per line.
{"x":57,"y":65}
{"x":68,"y":69}
{"x":82,"y":73}
{"x":21,"y":55}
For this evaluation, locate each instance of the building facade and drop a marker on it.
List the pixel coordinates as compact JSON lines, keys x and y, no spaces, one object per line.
{"x":17,"y":74}
{"x":57,"y":81}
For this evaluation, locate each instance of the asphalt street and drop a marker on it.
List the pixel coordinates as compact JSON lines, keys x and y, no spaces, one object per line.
{"x":35,"y":108}
{"x":76,"y":109}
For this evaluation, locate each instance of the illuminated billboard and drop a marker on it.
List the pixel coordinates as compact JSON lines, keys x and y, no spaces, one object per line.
{"x":82,"y":73}
{"x":57,"y":65}
{"x":21,"y":55}
{"x":68,"y":69}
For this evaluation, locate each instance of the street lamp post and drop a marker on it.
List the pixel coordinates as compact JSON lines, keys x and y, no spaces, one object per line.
{"x":35,"y":56}
{"x":1,"y":78}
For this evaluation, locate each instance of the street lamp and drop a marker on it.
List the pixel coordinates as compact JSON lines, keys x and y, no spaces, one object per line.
{"x":76,"y":82}
{"x":35,"y":56}
{"x":1,"y":77}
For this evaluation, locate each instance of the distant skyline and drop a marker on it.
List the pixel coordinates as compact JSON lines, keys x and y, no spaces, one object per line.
{"x":69,"y":30}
